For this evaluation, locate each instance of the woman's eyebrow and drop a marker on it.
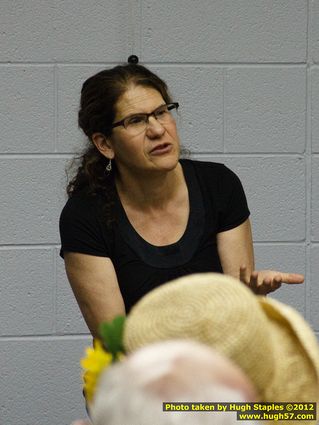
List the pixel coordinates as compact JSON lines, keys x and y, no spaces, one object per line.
{"x":143,"y":113}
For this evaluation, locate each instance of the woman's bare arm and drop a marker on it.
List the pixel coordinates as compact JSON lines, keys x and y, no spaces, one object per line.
{"x":235,"y":248}
{"x":95,"y":286}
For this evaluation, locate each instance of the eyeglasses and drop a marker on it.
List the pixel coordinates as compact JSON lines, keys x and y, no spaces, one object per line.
{"x":136,"y":124}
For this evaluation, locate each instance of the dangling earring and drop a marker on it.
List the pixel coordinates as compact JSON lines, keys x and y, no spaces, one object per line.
{"x":108,"y":168}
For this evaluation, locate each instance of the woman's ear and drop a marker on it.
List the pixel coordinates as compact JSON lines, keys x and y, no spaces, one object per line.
{"x":103,"y":145}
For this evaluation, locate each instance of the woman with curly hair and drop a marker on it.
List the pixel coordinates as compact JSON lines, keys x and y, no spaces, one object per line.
{"x":138,"y":215}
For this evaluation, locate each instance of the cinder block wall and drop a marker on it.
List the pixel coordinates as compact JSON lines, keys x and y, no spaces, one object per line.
{"x":246,"y":74}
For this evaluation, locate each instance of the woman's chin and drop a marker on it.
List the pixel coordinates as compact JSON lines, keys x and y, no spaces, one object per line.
{"x":167,"y":163}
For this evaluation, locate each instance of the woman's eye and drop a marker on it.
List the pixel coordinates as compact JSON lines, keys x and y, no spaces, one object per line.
{"x":138,"y":119}
{"x":161,"y":112}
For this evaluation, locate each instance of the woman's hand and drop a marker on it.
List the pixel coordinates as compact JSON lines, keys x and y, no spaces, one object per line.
{"x":264,"y":281}
{"x":235,"y":249}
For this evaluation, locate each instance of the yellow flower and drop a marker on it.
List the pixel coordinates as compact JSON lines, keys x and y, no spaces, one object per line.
{"x":96,"y":360}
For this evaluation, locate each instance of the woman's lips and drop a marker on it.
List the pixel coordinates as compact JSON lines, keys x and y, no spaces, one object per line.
{"x":161,"y":149}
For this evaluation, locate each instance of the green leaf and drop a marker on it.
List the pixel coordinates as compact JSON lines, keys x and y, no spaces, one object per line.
{"x":112,"y":335}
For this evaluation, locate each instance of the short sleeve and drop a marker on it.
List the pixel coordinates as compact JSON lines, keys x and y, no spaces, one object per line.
{"x":233,"y":208}
{"x":80,"y":229}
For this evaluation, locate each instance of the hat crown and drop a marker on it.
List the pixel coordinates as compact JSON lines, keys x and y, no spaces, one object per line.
{"x":214,"y":309}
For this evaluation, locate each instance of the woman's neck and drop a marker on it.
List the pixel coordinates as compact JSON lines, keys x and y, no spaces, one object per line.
{"x":152,"y":192}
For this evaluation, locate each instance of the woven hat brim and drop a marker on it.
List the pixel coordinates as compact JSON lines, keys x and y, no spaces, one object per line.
{"x":296,"y":350}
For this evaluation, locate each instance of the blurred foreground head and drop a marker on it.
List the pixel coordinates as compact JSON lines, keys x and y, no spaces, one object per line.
{"x":133,"y":391}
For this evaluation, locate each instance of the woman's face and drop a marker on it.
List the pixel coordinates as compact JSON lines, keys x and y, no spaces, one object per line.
{"x":157,"y":147}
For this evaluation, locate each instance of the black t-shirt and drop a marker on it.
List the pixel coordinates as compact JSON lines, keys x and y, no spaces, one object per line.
{"x":217,"y":203}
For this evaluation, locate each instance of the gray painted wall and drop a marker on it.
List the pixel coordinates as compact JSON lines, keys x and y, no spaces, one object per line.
{"x":246,"y":74}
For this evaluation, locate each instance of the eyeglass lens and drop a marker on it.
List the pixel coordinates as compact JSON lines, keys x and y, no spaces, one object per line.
{"x":137,"y":123}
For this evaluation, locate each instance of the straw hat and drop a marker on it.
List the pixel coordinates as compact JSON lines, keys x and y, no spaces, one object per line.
{"x":270,"y":341}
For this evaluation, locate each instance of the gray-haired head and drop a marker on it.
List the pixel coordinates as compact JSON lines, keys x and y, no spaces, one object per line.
{"x":133,"y":392}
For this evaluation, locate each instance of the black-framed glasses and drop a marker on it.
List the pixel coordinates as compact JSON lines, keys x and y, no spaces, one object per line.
{"x":137,"y":123}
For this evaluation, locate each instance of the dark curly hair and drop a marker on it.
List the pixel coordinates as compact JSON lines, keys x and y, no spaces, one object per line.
{"x":99,"y":96}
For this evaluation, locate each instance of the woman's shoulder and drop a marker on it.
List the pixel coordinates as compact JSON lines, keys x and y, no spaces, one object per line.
{"x":210,"y":168}
{"x":82,"y":228}
{"x":81,"y":204}
{"x":214,"y":176}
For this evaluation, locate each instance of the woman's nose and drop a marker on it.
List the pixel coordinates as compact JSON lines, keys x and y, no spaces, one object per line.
{"x":154,"y":126}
